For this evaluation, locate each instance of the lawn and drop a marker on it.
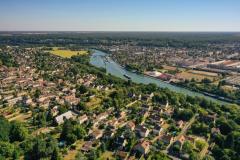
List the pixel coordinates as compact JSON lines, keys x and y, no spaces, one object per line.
{"x":72,"y":153}
{"x":66,"y":53}
{"x":107,"y":155}
{"x":22,"y":117}
{"x":93,"y":103}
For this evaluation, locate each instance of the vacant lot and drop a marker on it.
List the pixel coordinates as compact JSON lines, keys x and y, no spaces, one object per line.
{"x":204,"y":73}
{"x":194,"y":75}
{"x":66,"y":53}
{"x":172,"y":68}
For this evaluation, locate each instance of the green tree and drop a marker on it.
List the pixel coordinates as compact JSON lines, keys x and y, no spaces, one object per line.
{"x":40,"y":119}
{"x":224,"y":126}
{"x":42,"y":148}
{"x":66,"y":129}
{"x":82,"y":89}
{"x":4,"y":129}
{"x":200,"y":144}
{"x":37,"y":93}
{"x":67,"y":133}
{"x":229,"y":142}
{"x":187,"y":147}
{"x":18,"y":132}
{"x":6,"y":149}
{"x":79,"y":131}
{"x":158,"y":156}
{"x":71,"y":138}
{"x":56,"y":155}
{"x":208,"y":157}
{"x":80,"y":156}
{"x":206,"y":81}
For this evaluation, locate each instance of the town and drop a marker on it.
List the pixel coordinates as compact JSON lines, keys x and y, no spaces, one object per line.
{"x":65,"y":108}
{"x":216,"y":65}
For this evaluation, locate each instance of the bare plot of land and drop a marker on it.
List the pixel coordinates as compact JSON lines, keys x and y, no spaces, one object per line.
{"x":188,"y":75}
{"x":204,"y":73}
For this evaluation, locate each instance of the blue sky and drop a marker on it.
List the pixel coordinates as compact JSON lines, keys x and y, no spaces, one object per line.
{"x":120,"y":15}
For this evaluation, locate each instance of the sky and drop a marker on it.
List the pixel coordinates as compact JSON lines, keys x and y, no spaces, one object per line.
{"x":119,"y":15}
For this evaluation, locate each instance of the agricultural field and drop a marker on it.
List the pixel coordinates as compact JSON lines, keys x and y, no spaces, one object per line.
{"x":66,"y":53}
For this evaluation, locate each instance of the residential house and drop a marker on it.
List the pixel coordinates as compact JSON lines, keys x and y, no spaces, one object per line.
{"x":142,"y":147}
{"x":157,"y":119}
{"x":120,"y":142}
{"x":181,"y":140}
{"x":142,"y":131}
{"x":108,"y":134}
{"x":71,"y":99}
{"x":215,"y":131}
{"x":113,"y":123}
{"x":180,"y":124}
{"x":102,"y":116}
{"x":167,"y":139}
{"x":146,"y":107}
{"x":82,"y":119}
{"x":157,"y":130}
{"x":87,"y":147}
{"x":208,"y":118}
{"x":54,"y":111}
{"x":131,"y":95}
{"x":131,"y":125}
{"x":96,"y":134}
{"x":60,"y":119}
{"x":14,"y":101}
{"x":121,"y":114}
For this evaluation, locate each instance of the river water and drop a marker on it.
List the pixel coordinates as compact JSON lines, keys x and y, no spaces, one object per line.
{"x":98,"y":59}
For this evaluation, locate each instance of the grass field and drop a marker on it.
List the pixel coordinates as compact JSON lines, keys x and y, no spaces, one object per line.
{"x":66,"y":53}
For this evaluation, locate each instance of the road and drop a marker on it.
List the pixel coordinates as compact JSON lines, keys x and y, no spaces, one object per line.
{"x":132,"y":103}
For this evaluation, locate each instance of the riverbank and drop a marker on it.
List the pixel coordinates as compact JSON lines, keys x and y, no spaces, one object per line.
{"x":228,"y":100}
{"x":225,"y":99}
{"x":112,"y":67}
{"x":209,"y":94}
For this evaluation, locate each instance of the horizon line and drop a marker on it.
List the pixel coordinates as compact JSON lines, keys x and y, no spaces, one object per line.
{"x":111,"y":31}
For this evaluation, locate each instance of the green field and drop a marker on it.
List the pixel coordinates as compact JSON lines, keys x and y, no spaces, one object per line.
{"x":66,"y":53}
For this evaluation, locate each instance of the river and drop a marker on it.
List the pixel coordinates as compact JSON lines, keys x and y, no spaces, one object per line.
{"x":98,"y":59}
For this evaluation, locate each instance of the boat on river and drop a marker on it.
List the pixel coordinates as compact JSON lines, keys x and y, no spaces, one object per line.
{"x":127,"y":76}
